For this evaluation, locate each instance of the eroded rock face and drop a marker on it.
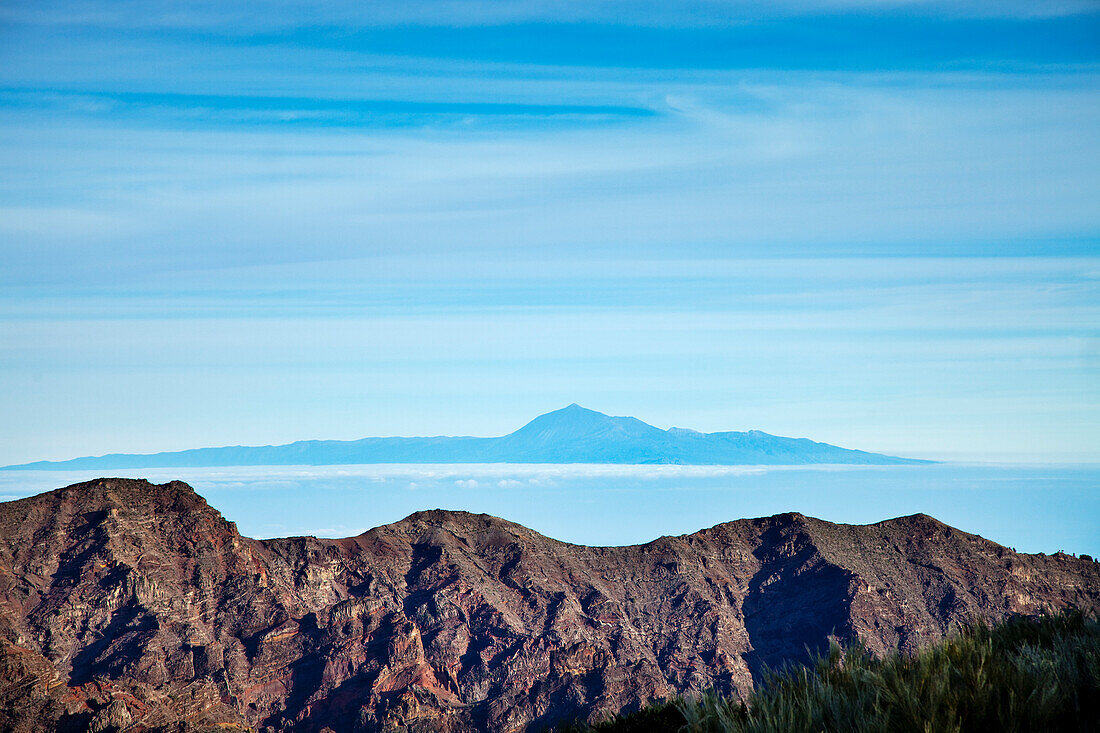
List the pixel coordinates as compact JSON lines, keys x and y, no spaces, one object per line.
{"x":131,"y":606}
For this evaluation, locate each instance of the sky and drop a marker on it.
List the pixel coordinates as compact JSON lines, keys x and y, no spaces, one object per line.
{"x":869,"y":222}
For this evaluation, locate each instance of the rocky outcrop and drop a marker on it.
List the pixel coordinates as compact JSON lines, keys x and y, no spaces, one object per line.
{"x":131,"y":606}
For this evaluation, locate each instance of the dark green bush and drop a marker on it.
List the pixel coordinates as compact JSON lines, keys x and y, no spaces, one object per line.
{"x":659,"y":716}
{"x":1023,"y":675}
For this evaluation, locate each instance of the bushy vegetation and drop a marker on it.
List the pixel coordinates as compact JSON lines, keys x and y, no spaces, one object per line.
{"x":1023,"y":675}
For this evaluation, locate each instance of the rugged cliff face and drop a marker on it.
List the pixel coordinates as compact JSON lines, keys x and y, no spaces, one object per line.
{"x":131,"y":606}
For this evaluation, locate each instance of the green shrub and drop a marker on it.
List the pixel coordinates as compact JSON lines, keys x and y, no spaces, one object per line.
{"x":659,"y":716}
{"x":1023,"y":675}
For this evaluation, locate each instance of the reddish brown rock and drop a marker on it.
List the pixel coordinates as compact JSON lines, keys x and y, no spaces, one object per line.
{"x":131,"y":606}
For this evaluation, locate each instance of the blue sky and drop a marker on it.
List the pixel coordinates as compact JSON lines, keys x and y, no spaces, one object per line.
{"x":870,"y":223}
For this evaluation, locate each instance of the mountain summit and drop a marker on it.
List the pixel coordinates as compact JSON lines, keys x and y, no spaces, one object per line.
{"x":576,"y":422}
{"x":573,"y":434}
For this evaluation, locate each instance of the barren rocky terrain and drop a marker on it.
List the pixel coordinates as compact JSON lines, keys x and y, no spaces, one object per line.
{"x":126,"y":605}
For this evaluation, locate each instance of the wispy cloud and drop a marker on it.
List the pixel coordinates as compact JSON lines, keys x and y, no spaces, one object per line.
{"x":271,"y":14}
{"x":878,"y":168}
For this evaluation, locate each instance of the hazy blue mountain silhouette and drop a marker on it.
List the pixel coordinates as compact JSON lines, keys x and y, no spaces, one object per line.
{"x":572,"y":434}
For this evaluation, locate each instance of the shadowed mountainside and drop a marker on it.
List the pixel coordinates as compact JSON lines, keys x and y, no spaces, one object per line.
{"x":128,"y":605}
{"x":572,"y":434}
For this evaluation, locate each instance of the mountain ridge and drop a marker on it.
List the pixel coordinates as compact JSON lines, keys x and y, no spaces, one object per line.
{"x":572,"y":434}
{"x":126,"y":603}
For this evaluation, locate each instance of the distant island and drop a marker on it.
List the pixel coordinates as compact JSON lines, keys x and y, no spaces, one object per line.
{"x":572,"y":434}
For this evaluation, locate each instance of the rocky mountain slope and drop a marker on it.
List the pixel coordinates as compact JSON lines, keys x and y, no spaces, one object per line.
{"x":572,"y":434}
{"x":131,"y":606}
